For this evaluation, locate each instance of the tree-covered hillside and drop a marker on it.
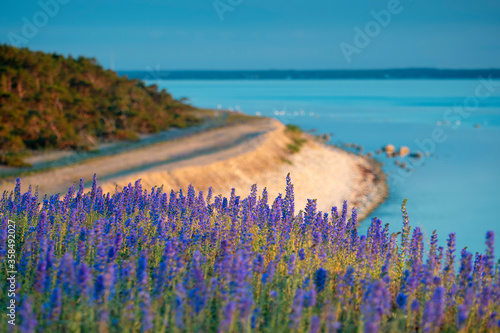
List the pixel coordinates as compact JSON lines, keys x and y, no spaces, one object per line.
{"x":52,"y":101}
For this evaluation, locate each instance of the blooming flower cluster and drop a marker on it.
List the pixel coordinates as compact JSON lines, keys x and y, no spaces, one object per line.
{"x":148,"y":261}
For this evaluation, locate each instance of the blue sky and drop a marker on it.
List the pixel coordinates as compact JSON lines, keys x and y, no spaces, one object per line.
{"x":261,"y":34}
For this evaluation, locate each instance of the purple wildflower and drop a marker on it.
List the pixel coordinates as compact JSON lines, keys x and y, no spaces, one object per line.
{"x":147,"y":314}
{"x":66,"y":274}
{"x":83,"y":279}
{"x":28,"y":316}
{"x":302,"y":254}
{"x":310,"y":298}
{"x":142,"y":269}
{"x":197,"y":291}
{"x":269,"y":274}
{"x":490,"y":253}
{"x":450,"y":258}
{"x":291,"y":263}
{"x":401,"y":301}
{"x":415,"y":305}
{"x":320,"y":279}
{"x":229,"y":312}
{"x":438,"y":300}
{"x":297,"y":306}
{"x":315,"y":324}
{"x":55,"y":304}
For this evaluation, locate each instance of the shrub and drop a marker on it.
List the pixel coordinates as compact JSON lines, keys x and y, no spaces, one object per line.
{"x":295,"y":134}
{"x":126,"y":135}
{"x":14,"y":160}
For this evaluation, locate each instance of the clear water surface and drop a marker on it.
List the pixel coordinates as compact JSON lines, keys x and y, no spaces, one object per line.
{"x":454,"y":189}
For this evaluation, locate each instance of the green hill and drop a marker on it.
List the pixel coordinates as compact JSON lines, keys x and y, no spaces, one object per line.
{"x":48,"y":101}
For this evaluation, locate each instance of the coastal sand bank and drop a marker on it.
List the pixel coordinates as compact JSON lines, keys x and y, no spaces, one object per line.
{"x":318,"y":171}
{"x":237,"y":156}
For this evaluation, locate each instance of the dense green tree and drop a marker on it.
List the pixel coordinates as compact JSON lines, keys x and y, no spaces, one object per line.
{"x":57,"y":102}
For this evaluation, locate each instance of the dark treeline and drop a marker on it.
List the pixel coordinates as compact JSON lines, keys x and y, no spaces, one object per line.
{"x":52,"y":101}
{"x":406,"y":73}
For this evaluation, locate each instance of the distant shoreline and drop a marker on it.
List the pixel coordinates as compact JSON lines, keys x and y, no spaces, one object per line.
{"x":377,"y":74}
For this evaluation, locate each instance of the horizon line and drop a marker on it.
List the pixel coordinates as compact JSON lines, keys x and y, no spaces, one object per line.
{"x":314,"y":70}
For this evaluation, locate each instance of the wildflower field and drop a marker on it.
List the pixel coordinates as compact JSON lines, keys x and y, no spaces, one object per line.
{"x":147,"y":261}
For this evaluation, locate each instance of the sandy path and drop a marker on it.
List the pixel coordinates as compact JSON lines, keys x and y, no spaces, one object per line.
{"x":321,"y":172}
{"x":139,"y":160}
{"x":235,"y":156}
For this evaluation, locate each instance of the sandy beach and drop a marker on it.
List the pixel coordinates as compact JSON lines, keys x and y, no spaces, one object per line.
{"x":236,"y":156}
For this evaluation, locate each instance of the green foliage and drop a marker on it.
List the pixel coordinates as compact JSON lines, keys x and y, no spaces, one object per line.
{"x":56,"y":102}
{"x":13,"y":160}
{"x":293,"y":129}
{"x":126,"y":135}
{"x":295,"y":134}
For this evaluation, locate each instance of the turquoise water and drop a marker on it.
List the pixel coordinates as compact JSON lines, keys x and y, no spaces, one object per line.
{"x":456,"y":187}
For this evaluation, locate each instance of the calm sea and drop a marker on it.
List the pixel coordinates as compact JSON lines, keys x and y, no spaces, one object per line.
{"x":454,"y":189}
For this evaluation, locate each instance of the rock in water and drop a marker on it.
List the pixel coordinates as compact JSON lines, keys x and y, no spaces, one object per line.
{"x":389,"y":150}
{"x":403,"y":151}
